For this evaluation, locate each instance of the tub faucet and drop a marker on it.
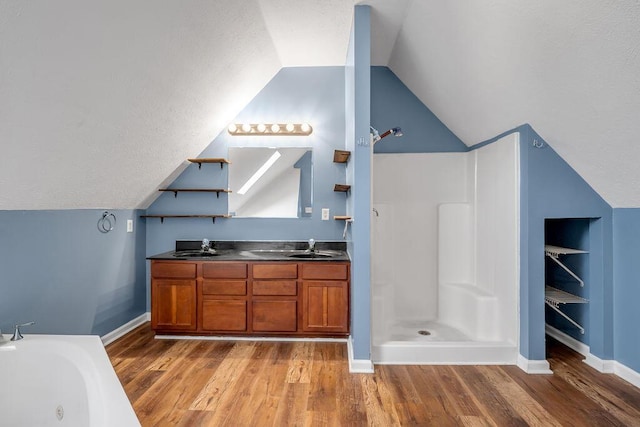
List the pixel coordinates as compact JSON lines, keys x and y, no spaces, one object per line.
{"x":17,"y":336}
{"x":312,"y":245}
{"x":205,"y":245}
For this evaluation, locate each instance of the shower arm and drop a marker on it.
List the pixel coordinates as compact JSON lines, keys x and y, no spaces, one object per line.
{"x":377,"y":136}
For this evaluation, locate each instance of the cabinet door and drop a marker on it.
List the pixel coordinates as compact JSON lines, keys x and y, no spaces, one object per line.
{"x":173,"y":303}
{"x":224,"y":315}
{"x":325,"y":306}
{"x":274,"y":316}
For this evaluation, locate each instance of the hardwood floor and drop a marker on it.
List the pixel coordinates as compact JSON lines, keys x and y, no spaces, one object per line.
{"x":244,"y":383}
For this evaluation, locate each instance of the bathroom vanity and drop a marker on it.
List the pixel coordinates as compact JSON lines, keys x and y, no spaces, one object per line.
{"x":251,"y":289}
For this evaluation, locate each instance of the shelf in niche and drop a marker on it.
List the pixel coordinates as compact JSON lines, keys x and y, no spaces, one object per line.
{"x":196,"y":190}
{"x":202,"y":160}
{"x":551,"y":250}
{"x":162,"y":217}
{"x":341,"y":188}
{"x":556,"y":296}
{"x":341,"y":156}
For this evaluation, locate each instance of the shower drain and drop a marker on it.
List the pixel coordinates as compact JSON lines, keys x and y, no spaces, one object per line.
{"x":423,"y":332}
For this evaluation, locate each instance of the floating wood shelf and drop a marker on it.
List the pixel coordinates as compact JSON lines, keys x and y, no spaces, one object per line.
{"x":342,"y":217}
{"x":209,"y":160}
{"x":196,"y":190}
{"x":341,"y":156}
{"x":343,"y":188}
{"x":162,"y":217}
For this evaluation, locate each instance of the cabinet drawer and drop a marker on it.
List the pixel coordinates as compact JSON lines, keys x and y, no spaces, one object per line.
{"x":224,"y":287}
{"x":325,"y":271}
{"x":224,"y":270}
{"x":275,"y":287}
{"x":224,"y":315}
{"x":275,"y":316}
{"x":275,"y":271}
{"x":182,"y":270}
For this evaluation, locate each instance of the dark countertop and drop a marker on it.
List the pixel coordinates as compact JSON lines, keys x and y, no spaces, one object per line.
{"x":190,"y":250}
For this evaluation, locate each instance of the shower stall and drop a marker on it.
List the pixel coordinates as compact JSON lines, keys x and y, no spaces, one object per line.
{"x":445,"y":244}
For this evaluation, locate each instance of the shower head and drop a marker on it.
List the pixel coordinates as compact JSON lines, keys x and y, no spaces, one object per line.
{"x":397,"y":132}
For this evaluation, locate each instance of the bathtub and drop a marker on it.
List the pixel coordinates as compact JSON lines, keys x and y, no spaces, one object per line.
{"x":61,"y":380}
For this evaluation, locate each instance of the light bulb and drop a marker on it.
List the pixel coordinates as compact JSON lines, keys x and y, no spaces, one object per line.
{"x":275,"y":128}
{"x":261,"y":127}
{"x":232,"y":128}
{"x":246,"y":128}
{"x":290,"y":127}
{"x":305,"y":127}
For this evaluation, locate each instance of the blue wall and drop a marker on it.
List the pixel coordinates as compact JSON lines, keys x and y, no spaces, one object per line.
{"x":550,"y":188}
{"x":305,"y":94}
{"x":394,"y":105}
{"x":358,"y":116}
{"x":60,"y":271}
{"x":626,"y":293}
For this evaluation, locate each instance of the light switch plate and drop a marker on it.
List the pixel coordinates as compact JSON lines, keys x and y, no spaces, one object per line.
{"x":325,"y":214}
{"x":129,"y":226}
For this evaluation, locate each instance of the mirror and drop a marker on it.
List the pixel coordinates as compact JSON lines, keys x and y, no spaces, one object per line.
{"x":268,"y":182}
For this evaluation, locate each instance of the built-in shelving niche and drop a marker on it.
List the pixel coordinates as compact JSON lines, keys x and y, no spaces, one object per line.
{"x":567,"y":281}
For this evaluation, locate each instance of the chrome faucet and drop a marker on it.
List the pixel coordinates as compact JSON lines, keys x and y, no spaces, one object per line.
{"x":205,"y":245}
{"x":312,"y":245}
{"x":17,"y":336}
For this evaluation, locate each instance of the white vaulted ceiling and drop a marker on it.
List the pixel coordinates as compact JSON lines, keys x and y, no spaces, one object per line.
{"x":101,"y":102}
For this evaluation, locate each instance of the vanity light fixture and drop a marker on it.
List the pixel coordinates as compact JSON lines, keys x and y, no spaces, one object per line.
{"x":270,"y":129}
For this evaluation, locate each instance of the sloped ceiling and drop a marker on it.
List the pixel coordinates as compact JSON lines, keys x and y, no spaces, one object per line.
{"x":102,"y":102}
{"x":571,"y":69}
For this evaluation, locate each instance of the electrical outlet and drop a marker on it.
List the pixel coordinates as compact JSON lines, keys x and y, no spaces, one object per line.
{"x":129,"y":226}
{"x":308,"y":209}
{"x":325,"y":214}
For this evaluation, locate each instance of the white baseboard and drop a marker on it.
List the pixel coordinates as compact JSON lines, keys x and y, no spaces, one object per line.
{"x":626,"y":373}
{"x":125,"y":329}
{"x":358,"y":366}
{"x":567,"y":340}
{"x":533,"y":366}
{"x":604,"y":366}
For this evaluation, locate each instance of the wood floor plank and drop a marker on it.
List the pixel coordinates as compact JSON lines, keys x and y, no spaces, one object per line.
{"x":240,"y":383}
{"x":212,"y":395}
{"x":377,"y":399}
{"x":494,"y":407}
{"x":301,"y":363}
{"x":523,"y":404}
{"x":292,"y":406}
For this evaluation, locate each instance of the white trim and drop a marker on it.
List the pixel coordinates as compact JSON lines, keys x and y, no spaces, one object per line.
{"x":533,"y":366}
{"x":626,"y":373}
{"x":110,"y":337}
{"x":251,"y":338}
{"x":358,"y":366}
{"x":567,"y":340}
{"x":604,"y":366}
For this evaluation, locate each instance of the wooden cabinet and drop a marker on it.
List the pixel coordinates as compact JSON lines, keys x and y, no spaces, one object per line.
{"x":325,"y":297}
{"x":173,"y":296}
{"x":275,"y":297}
{"x":250,"y":298}
{"x":223,"y":297}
